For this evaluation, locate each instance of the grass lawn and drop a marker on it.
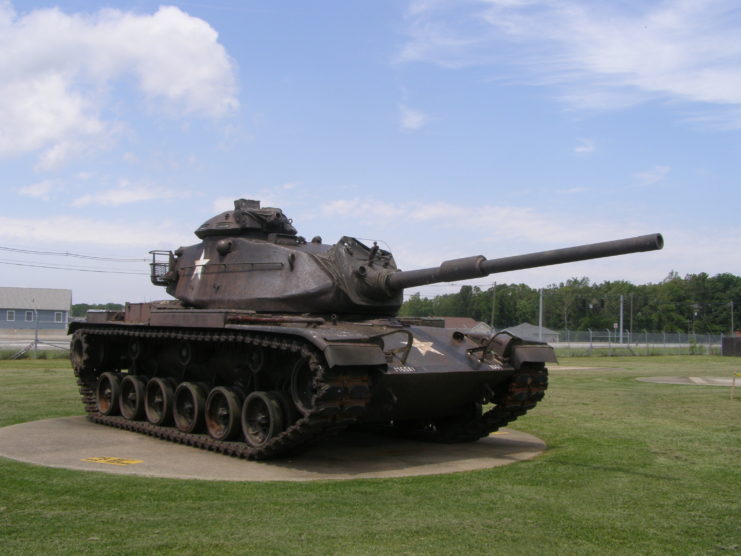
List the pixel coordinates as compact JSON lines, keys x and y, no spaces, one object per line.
{"x":632,"y":468}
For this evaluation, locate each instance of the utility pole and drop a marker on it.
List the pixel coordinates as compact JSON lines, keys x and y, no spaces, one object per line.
{"x":493,"y":303}
{"x":36,"y":333}
{"x":732,"y":328}
{"x":621,"y":318}
{"x":540,"y":317}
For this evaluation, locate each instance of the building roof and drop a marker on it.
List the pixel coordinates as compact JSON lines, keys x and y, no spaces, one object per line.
{"x":529,"y":331}
{"x":35,"y":298}
{"x":483,"y":329}
{"x":460,"y":322}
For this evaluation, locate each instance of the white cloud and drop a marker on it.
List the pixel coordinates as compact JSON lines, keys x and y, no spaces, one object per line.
{"x":446,"y":33}
{"x":654,"y":175}
{"x":602,"y":55}
{"x":585,"y":146}
{"x":40,"y":190}
{"x":437,"y":211}
{"x":423,"y":234}
{"x":362,"y":209}
{"x":126,"y":193}
{"x":490,"y":223}
{"x":58,"y":70}
{"x":62,"y":228}
{"x":130,"y":157}
{"x":41,"y":112}
{"x":411,"y":120}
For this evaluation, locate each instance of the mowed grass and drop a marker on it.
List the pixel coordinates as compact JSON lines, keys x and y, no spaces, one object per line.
{"x":632,"y":468}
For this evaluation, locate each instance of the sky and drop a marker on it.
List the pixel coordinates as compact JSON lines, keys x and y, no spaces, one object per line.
{"x":441,"y":129}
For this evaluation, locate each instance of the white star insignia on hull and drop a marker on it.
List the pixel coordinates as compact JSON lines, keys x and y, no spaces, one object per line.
{"x":199,"y":264}
{"x":425,"y":347}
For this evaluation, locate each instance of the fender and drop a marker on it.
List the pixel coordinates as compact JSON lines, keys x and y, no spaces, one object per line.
{"x":532,"y":353}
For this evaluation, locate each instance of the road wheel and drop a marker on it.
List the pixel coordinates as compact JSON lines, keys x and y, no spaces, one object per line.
{"x":158,"y":401}
{"x":132,"y":397}
{"x":107,"y":393}
{"x":223,"y":407}
{"x":188,"y":407}
{"x":262,"y":418}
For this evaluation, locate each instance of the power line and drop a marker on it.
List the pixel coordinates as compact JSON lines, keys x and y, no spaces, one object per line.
{"x":68,"y":254}
{"x":75,"y":268}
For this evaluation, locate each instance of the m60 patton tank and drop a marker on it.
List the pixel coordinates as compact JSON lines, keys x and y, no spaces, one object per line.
{"x":274,"y":342}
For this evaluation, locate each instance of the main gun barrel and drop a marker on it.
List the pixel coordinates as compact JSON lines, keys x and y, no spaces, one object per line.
{"x":475,"y":267}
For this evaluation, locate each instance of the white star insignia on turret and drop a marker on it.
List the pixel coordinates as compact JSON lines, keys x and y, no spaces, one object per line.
{"x":199,"y":264}
{"x":425,"y":347}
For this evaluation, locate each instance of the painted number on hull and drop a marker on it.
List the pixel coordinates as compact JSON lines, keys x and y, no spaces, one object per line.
{"x":404,"y":369}
{"x":113,"y":461}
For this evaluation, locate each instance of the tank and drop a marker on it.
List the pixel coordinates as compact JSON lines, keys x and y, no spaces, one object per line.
{"x":273,"y":342}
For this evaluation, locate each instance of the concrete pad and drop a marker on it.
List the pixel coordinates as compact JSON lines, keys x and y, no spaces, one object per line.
{"x":76,"y":443}
{"x":695,"y":380}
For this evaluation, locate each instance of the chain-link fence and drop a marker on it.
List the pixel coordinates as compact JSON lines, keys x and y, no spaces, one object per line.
{"x":30,"y":342}
{"x":572,"y":343}
{"x":612,"y":342}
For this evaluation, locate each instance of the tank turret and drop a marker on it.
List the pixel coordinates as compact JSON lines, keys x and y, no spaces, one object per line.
{"x":251,"y":258}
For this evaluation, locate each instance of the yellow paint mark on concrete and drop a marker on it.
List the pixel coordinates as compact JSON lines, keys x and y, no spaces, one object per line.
{"x":498,"y":432}
{"x":113,"y":461}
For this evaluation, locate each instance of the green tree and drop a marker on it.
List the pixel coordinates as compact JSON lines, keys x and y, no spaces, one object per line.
{"x":417,"y":306}
{"x":696,"y":302}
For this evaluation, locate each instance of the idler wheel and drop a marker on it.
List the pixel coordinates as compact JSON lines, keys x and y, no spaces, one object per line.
{"x":262,"y":418}
{"x":107,"y":393}
{"x":222,"y":413}
{"x":188,"y":407}
{"x":158,"y":400}
{"x":303,"y":386}
{"x":84,"y":355}
{"x":132,"y":397}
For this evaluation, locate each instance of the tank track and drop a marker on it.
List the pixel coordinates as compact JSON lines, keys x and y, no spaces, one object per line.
{"x":526,"y":388}
{"x":340,"y":398}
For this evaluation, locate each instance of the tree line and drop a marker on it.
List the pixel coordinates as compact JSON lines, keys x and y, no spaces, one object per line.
{"x":695,"y":303}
